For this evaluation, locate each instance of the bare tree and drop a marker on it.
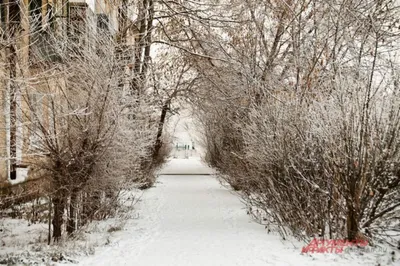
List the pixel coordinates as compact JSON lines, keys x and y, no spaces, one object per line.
{"x":77,"y":120}
{"x":304,"y":103}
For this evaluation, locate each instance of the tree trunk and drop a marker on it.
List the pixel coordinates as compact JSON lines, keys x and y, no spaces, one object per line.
{"x":91,"y":204}
{"x":158,"y":144}
{"x":49,"y":223}
{"x":136,"y":82}
{"x":71,"y":226}
{"x":123,"y":21}
{"x":10,"y":31}
{"x":13,"y":113}
{"x":85,"y":209}
{"x":147,"y":39}
{"x":352,"y":221}
{"x":58,"y":217}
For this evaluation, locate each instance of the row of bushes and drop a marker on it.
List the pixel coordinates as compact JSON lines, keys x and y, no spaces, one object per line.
{"x":309,"y":134}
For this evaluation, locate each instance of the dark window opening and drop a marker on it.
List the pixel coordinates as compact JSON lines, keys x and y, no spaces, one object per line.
{"x":35,"y":14}
{"x":10,"y":13}
{"x":50,"y":15}
{"x":14,"y":16}
{"x":13,"y":174}
{"x":77,"y":30}
{"x":2,"y":15}
{"x":102,"y":22}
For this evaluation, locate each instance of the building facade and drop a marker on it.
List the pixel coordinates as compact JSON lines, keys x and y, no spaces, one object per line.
{"x":24,"y":49}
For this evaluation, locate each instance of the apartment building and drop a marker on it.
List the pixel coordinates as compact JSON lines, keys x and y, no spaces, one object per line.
{"x":25,"y":25}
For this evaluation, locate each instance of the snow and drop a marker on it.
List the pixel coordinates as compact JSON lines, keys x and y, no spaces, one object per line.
{"x":14,"y":232}
{"x":193,"y":220}
{"x":191,"y":166}
{"x":187,"y":218}
{"x":25,"y":243}
{"x":22,"y":175}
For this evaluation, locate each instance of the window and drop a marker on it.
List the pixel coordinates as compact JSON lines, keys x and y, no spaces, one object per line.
{"x":103,"y":23}
{"x":77,"y":23}
{"x":14,"y":12}
{"x":14,"y":18}
{"x":50,"y":16}
{"x":2,"y":15}
{"x":35,"y":15}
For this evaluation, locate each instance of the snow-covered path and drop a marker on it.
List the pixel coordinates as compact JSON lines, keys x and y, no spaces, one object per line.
{"x":193,"y":220}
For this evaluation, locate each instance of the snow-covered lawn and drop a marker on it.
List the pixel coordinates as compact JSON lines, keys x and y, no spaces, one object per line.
{"x":189,"y":220}
{"x":25,"y":243}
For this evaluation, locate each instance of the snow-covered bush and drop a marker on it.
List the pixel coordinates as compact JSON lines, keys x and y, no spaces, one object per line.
{"x":90,"y":123}
{"x":307,"y":120}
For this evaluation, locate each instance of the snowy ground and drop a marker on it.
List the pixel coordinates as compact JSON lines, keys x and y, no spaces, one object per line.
{"x":188,"y":218}
{"x":192,"y":220}
{"x":25,"y":243}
